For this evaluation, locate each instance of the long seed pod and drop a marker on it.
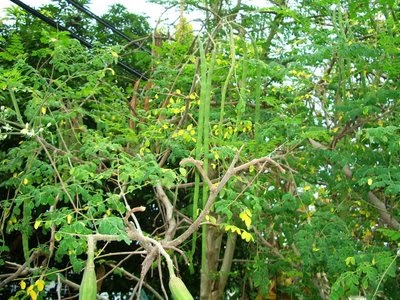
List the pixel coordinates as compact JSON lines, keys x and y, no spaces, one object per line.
{"x":88,"y":288}
{"x":178,"y":289}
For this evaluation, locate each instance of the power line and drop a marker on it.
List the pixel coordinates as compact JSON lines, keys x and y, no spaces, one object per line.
{"x":54,"y":24}
{"x":106,"y":24}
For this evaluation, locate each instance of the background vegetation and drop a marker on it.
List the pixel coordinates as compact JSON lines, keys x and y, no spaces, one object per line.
{"x":259,"y":161}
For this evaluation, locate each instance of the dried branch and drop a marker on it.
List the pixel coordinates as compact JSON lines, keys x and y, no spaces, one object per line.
{"x":20,"y":269}
{"x":133,"y":277}
{"x":199,"y":165}
{"x":169,"y":209}
{"x":214,"y":190}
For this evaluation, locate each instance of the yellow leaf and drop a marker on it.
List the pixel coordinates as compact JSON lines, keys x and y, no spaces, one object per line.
{"x":178,"y":91}
{"x":216,"y":155}
{"x":232,"y":228}
{"x":43,"y":110}
{"x":114,"y":54}
{"x":57,"y":236}
{"x":369,"y":181}
{"x":37,"y":224}
{"x":245,"y":216}
{"x":307,"y":188}
{"x":40,"y":284}
{"x":26,"y":181}
{"x":211,"y":219}
{"x":350,"y":261}
{"x":69,"y":219}
{"x":32,"y":293}
{"x":22,"y":284}
{"x":247,"y":236}
{"x":252,"y":168}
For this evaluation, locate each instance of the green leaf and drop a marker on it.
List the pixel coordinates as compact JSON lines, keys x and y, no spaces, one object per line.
{"x":113,"y":226}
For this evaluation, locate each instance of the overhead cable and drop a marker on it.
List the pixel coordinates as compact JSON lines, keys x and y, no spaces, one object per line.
{"x":106,"y":24}
{"x":75,"y":36}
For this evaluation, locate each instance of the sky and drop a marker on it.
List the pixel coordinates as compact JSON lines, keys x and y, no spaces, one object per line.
{"x":99,"y":7}
{"x":140,"y":7}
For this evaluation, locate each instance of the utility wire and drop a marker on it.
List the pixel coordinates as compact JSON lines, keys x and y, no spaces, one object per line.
{"x":106,"y":24}
{"x":54,"y":24}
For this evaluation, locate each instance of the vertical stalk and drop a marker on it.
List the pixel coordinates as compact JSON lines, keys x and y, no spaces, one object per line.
{"x":241,"y":107}
{"x":339,"y":26}
{"x":226,"y":262}
{"x":205,"y":99}
{"x":16,"y":107}
{"x":227,"y":79}
{"x":198,"y":152}
{"x":257,"y":91}
{"x":207,"y":74}
{"x":26,"y":216}
{"x":202,"y":147}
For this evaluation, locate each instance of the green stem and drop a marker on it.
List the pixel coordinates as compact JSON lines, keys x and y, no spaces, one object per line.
{"x":26,"y":227}
{"x":207,"y":104}
{"x":91,"y":243}
{"x":257,"y":92}
{"x":205,"y":100}
{"x":16,"y":107}
{"x":202,"y":147}
{"x":383,"y":276}
{"x":27,"y":212}
{"x":227,"y":79}
{"x":199,"y":143}
{"x":241,"y":107}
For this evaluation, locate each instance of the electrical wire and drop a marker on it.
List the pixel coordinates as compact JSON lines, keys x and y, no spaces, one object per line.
{"x":54,"y":24}
{"x":107,"y":24}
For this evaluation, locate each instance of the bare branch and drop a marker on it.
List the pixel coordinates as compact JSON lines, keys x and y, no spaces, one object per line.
{"x":199,"y":166}
{"x":169,"y":209}
{"x":232,"y":170}
{"x":21,"y":268}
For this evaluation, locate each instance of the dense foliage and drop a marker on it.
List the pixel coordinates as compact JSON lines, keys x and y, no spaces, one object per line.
{"x":259,"y":161}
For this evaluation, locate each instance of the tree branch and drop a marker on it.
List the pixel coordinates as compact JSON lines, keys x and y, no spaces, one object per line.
{"x":20,"y":270}
{"x":214,"y":191}
{"x":133,"y":277}
{"x":169,"y":209}
{"x":385,"y":215}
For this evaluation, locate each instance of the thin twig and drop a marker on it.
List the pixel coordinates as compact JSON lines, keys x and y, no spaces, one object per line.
{"x":131,"y":276}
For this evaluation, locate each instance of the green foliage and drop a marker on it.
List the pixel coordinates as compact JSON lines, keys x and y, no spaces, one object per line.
{"x":311,"y":88}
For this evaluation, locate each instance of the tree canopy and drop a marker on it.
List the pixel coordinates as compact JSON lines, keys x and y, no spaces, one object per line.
{"x":260,"y":160}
